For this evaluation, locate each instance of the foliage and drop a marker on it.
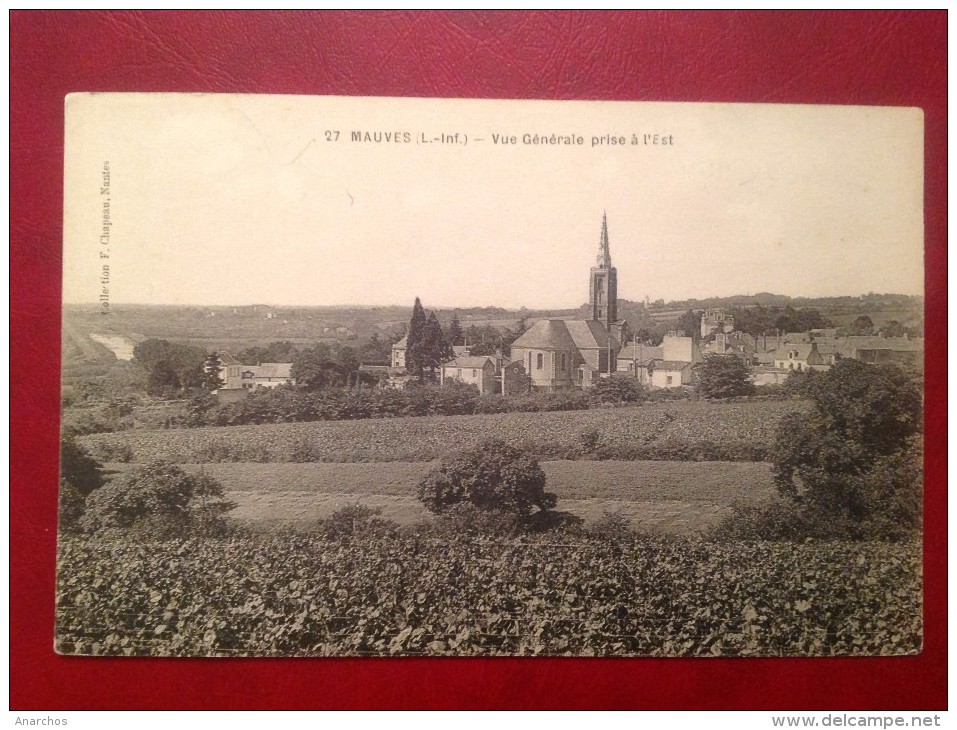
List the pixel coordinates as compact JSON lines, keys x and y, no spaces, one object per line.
{"x":157,"y":498}
{"x":70,"y":505}
{"x":723,"y":376}
{"x":78,"y":468}
{"x":315,"y":368}
{"x":284,"y":351}
{"x":492,"y":476}
{"x":80,"y":475}
{"x":354,"y":521}
{"x":170,"y":367}
{"x":856,"y":453}
{"x":476,"y":595}
{"x":892,"y":328}
{"x":863,"y":325}
{"x":690,"y":324}
{"x":762,"y":320}
{"x":616,"y":389}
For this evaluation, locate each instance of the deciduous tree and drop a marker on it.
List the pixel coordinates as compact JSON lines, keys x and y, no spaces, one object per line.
{"x":492,"y":476}
{"x":723,"y":376}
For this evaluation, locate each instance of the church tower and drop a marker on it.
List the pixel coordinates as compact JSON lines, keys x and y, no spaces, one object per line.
{"x":603,"y":291}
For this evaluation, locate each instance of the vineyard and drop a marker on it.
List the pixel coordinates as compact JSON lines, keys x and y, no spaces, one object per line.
{"x":411,"y":594}
{"x":694,"y":430}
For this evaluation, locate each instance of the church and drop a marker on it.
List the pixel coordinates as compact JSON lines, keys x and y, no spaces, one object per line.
{"x":558,"y":354}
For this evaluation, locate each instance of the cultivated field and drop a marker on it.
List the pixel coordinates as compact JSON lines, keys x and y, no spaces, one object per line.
{"x":554,"y":435}
{"x":453,"y":596}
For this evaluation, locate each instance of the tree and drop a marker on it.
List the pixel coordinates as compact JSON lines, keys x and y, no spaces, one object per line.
{"x":892,"y":328}
{"x":854,"y":454}
{"x":211,"y":369}
{"x":863,"y":325}
{"x":80,"y":475}
{"x":314,"y":368}
{"x":690,"y":324}
{"x":435,"y":348}
{"x":456,"y":336}
{"x":414,"y":344}
{"x":723,"y":376}
{"x":157,"y":499}
{"x":169,"y":366}
{"x":493,"y":476}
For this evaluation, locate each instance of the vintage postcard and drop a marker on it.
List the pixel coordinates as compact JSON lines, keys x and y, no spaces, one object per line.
{"x":375,"y":376}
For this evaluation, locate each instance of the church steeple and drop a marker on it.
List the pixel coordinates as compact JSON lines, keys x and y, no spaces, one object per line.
{"x":603,"y":286}
{"x":604,"y":253}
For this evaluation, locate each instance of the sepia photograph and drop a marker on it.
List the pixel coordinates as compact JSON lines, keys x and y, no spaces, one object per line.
{"x":358,"y":376}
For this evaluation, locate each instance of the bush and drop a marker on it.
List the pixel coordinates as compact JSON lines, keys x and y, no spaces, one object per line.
{"x":857,"y":453}
{"x":356,"y":520}
{"x":157,"y":499}
{"x":492,"y":476}
{"x":616,"y":389}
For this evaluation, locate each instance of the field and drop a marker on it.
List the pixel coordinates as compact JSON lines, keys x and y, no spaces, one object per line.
{"x":554,"y":435}
{"x":535,"y":595}
{"x":673,"y":497}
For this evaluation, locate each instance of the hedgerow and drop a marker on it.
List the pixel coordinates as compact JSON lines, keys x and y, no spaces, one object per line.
{"x":550,"y":594}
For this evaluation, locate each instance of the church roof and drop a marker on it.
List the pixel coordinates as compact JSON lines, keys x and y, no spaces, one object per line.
{"x":547,"y":334}
{"x":588,"y":334}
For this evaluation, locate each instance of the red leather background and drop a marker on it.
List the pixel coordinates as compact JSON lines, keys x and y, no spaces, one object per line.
{"x":894,"y":58}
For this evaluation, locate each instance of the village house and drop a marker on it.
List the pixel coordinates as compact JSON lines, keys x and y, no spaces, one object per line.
{"x":799,"y":357}
{"x":479,"y":371}
{"x":239,"y":379}
{"x":637,"y":360}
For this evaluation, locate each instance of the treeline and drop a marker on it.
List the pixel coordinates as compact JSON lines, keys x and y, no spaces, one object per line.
{"x":760,"y":320}
{"x":286,"y":404}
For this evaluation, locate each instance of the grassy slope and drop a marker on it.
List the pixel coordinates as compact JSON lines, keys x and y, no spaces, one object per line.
{"x":678,"y":497}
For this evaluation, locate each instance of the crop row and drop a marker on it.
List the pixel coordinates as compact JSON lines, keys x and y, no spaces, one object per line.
{"x":692,"y":430}
{"x":402,"y":594}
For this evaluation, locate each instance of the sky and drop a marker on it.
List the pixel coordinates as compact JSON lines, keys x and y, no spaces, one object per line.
{"x":239,"y":199}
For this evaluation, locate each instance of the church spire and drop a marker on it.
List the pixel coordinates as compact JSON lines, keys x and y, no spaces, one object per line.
{"x":603,"y":287}
{"x":604,"y":252}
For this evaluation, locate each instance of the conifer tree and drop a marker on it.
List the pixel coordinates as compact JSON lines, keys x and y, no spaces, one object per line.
{"x":456,"y":336}
{"x":436,"y":348}
{"x":415,"y":341}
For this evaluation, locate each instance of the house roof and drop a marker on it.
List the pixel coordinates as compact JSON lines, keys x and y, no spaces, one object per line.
{"x":401,"y":344}
{"x":671,"y":364}
{"x":801,"y":351}
{"x":270,"y":370}
{"x":898,"y":344}
{"x":642,"y":353}
{"x":467,"y":361}
{"x":546,"y":334}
